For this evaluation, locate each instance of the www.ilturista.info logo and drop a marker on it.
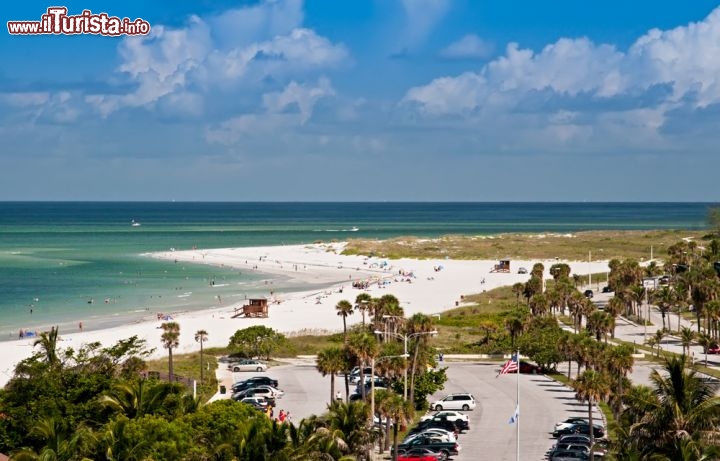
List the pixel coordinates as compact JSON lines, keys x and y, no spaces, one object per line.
{"x":57,"y":22}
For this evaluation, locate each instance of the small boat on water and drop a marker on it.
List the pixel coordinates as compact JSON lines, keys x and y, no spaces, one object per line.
{"x":134,"y":223}
{"x":354,"y":229}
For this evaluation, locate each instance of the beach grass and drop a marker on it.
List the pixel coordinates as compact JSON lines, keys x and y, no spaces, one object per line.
{"x":577,"y":246}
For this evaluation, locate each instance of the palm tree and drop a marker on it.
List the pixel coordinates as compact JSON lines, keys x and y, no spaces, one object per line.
{"x":136,"y":399}
{"x":61,"y":442}
{"x":514,"y":324}
{"x":114,"y":443}
{"x":599,"y":323}
{"x":344,"y":308}
{"x":592,"y":387}
{"x":420,"y":325}
{"x":383,"y":406}
{"x":687,"y":336}
{"x":400,"y":411}
{"x":659,"y":336}
{"x":48,"y":343}
{"x":664,"y":298}
{"x":170,"y":339}
{"x":349,"y":422}
{"x":362,"y":303}
{"x":201,"y":336}
{"x":706,"y":341}
{"x":518,"y":290}
{"x":364,"y":347}
{"x":614,"y":308}
{"x":684,"y":408}
{"x":331,"y":361}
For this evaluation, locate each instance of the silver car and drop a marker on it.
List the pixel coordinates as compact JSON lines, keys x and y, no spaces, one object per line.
{"x":248,"y":365}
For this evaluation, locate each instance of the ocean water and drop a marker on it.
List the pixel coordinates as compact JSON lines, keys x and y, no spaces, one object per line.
{"x":66,"y":262}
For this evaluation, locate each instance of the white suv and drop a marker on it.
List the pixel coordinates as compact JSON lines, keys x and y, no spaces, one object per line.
{"x":463,"y":402}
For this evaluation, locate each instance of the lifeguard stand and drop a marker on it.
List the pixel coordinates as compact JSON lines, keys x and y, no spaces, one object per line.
{"x":502,"y":266}
{"x":256,"y":307}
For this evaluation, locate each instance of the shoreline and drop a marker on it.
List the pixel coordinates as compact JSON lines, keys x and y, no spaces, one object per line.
{"x":319,"y":278}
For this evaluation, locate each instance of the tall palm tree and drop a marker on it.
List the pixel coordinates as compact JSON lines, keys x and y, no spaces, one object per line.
{"x":614,"y":308}
{"x":419,"y":324}
{"x":401,"y":412}
{"x":518,"y":290}
{"x":48,"y":343}
{"x":344,"y":308}
{"x":170,"y":339}
{"x":331,"y":361}
{"x":514,"y":324}
{"x":201,"y":336}
{"x":687,"y":336}
{"x":599,"y":323}
{"x":684,"y":408}
{"x":362,"y":303}
{"x":349,"y":421}
{"x":592,"y":387}
{"x":664,"y":298}
{"x":364,"y":347}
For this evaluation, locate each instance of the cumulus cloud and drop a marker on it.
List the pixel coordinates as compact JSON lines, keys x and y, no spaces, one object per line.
{"x":683,"y":58}
{"x":284,"y":110}
{"x":240,"y":47}
{"x":468,"y":47}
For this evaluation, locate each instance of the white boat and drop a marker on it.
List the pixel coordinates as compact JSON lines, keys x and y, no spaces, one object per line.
{"x":354,"y":229}
{"x":134,"y":223}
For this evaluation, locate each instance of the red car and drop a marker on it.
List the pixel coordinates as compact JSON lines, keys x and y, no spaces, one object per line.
{"x":530,"y":368}
{"x":714,"y":349}
{"x":418,"y":454}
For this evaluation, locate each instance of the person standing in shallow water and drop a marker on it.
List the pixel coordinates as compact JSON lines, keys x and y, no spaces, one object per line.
{"x":80,"y":326}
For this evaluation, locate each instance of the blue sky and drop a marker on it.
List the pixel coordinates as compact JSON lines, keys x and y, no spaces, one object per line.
{"x":367,"y":100}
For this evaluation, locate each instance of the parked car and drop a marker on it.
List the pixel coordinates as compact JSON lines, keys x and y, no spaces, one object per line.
{"x":584,"y":448}
{"x":461,"y":418}
{"x":354,"y":376}
{"x":380,"y":383}
{"x":463,"y":402}
{"x":255,"y":381}
{"x":570,"y":421}
{"x":522,"y":270}
{"x":260,"y":391}
{"x":434,"y":432}
{"x":418,"y":454}
{"x":445,"y":424}
{"x":580,"y":428}
{"x":575,"y":438}
{"x":259,"y":403}
{"x":588,"y":294}
{"x":248,"y":365}
{"x":569,"y":456}
{"x":714,"y":349}
{"x":443,"y":449}
{"x":606,"y":289}
{"x":530,"y":368}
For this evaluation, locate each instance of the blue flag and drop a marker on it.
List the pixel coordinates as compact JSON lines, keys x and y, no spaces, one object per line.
{"x":513,"y":419}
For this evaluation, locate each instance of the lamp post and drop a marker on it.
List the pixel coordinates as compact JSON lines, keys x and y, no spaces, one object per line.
{"x":405,"y":351}
{"x":372,"y":381}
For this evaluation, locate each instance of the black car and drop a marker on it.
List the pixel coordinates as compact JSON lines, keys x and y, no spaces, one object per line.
{"x":580,"y":428}
{"x":253,"y":382}
{"x":442,"y":423}
{"x":588,"y":294}
{"x":443,"y":449}
{"x":606,"y":289}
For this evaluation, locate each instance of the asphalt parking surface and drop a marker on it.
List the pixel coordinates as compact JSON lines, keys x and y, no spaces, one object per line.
{"x":543,"y":402}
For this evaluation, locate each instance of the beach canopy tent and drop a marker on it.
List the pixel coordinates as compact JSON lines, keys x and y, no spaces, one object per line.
{"x":502,"y":266}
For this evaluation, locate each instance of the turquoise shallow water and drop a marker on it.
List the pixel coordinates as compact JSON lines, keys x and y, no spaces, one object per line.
{"x":62,"y":261}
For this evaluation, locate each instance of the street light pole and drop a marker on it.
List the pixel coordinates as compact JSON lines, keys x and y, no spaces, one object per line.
{"x":405,"y":352}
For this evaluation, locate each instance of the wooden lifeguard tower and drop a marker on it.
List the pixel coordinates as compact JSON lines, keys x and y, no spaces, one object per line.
{"x":256,"y":307}
{"x":502,"y":266}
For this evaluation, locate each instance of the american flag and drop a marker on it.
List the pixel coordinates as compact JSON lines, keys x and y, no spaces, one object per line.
{"x":510,"y":366}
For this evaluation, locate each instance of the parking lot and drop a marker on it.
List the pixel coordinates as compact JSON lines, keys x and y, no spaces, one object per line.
{"x":543,"y":402}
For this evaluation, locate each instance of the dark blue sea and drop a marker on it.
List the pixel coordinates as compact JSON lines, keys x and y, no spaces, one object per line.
{"x":65,"y":262}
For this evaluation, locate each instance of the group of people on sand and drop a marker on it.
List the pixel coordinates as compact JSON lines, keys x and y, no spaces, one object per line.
{"x":26,"y":333}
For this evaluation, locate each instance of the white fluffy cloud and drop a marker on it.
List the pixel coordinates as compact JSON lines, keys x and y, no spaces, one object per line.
{"x":685,"y":59}
{"x":240,"y":47}
{"x":468,"y":47}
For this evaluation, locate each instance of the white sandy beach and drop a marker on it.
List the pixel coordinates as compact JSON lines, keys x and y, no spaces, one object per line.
{"x":427,"y":290}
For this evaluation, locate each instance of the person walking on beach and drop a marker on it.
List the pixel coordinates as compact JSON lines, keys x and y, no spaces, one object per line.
{"x":80,"y":326}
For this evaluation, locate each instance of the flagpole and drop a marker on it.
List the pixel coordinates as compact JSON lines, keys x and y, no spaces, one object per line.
{"x":518,"y":405}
